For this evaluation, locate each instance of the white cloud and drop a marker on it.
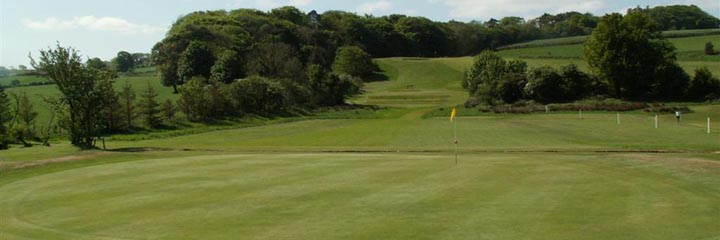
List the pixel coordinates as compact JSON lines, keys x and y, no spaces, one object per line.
{"x":472,"y":9}
{"x":267,"y":4}
{"x":379,"y":6}
{"x":107,"y":24}
{"x":299,"y":3}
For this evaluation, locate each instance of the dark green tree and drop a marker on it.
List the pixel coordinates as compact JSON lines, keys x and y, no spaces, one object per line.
{"x":150,"y":108}
{"x":168,"y":111}
{"x":227,"y":68}
{"x":709,"y":48}
{"x":576,"y":83}
{"x":193,"y":99}
{"x":545,"y":85}
{"x":124,"y":61}
{"x":81,"y":90}
{"x":96,"y":63}
{"x":258,"y":95}
{"x":354,"y":61}
{"x":275,"y":60}
{"x":628,"y":53}
{"x":196,"y":60}
{"x":5,"y":118}
{"x":127,"y":104}
{"x":329,"y":89}
{"x":703,"y":86}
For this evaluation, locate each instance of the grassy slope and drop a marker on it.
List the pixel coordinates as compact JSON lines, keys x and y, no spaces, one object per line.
{"x":221,"y":190}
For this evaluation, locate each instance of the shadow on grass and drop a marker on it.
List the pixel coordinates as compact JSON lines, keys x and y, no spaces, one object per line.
{"x":376,"y":77}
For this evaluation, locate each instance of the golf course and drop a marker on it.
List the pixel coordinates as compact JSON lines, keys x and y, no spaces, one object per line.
{"x":263,"y":121}
{"x":387,"y":172}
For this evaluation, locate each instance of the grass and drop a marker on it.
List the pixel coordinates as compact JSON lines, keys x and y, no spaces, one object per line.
{"x":582,"y":39}
{"x":379,"y":173}
{"x":139,"y":84}
{"x":688,"y":49}
{"x":368,"y":196}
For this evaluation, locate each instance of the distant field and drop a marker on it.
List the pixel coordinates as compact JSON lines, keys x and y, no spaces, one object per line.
{"x":582,"y":39}
{"x":688,"y":49}
{"x":22,"y":80}
{"x":139,"y":84}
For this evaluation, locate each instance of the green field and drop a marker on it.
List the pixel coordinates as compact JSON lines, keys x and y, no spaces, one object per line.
{"x":388,"y":173}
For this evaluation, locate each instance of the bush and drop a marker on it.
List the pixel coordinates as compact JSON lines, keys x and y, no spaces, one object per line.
{"x":577,"y":83}
{"x":611,"y":105}
{"x":354,"y":61}
{"x":709,"y":48}
{"x":512,"y":87}
{"x":258,"y":95}
{"x":671,"y":81}
{"x":704,"y":86}
{"x":545,"y":85}
{"x":193,"y":99}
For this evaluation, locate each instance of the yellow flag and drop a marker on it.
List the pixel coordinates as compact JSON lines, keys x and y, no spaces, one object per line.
{"x":452,"y":115}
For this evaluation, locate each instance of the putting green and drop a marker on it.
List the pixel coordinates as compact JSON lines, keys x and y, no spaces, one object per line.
{"x":370,"y":196}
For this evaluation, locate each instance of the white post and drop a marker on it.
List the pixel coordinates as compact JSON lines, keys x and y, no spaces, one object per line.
{"x":656,"y":121}
{"x":618,"y":118}
{"x":547,"y":110}
{"x":708,"y":125}
{"x":580,"y":115}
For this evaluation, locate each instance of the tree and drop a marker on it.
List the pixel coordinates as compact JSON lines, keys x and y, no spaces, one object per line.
{"x":354,"y":61}
{"x":703,"y":86}
{"x":5,"y":117}
{"x":426,"y":38}
{"x":149,"y":108}
{"x":576,"y":83}
{"x":227,"y":68}
{"x":127,"y":103}
{"x":81,"y":89}
{"x":275,"y":60}
{"x":124,"y":61}
{"x":709,"y":48}
{"x":96,"y":63}
{"x":628,"y":53}
{"x":193,"y":99}
{"x":26,"y":114}
{"x":258,"y":95}
{"x":196,"y":60}
{"x":491,"y":78}
{"x":4,"y":72}
{"x":168,"y":111}
{"x":545,"y":85}
{"x":329,"y":89}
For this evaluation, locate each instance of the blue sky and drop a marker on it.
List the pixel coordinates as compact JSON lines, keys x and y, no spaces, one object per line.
{"x":101,"y":28}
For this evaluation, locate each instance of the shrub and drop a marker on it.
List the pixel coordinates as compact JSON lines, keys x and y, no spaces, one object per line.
{"x":709,"y":48}
{"x":354,"y":61}
{"x":258,"y":95}
{"x":545,"y":85}
{"x":703,"y":86}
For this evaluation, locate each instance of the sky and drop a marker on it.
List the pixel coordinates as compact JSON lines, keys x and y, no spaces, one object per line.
{"x":100,"y":28}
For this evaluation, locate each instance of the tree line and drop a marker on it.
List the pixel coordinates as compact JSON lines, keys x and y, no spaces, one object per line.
{"x":628,"y":59}
{"x":236,"y":39}
{"x":88,"y":106}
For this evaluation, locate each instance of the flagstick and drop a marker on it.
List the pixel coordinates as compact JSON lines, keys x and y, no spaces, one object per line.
{"x":456,"y":142}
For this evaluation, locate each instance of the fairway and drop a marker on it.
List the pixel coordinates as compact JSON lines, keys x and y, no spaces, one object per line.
{"x":370,"y":196}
